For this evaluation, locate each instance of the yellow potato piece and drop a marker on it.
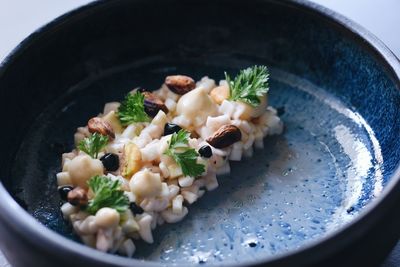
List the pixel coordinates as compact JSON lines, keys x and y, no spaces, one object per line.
{"x":113,"y":120}
{"x":132,"y":160}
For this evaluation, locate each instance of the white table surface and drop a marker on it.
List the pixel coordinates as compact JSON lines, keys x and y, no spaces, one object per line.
{"x":18,"y":18}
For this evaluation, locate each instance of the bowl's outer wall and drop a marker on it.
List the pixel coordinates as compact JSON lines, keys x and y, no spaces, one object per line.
{"x":214,"y":33}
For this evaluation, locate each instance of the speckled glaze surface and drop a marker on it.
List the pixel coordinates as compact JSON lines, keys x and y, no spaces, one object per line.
{"x":306,"y":182}
{"x":338,"y":100}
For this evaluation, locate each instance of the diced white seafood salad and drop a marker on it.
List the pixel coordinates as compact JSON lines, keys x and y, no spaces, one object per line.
{"x":142,"y":162}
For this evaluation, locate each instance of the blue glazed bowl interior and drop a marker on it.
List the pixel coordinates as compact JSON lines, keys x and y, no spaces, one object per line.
{"x":339,"y":106}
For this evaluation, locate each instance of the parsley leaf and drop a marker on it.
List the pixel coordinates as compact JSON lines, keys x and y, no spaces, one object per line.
{"x":93,"y":144}
{"x":249,"y":85}
{"x":188,"y":162}
{"x":107,"y":193}
{"x":132,"y":109}
{"x":180,"y":139}
{"x":183,"y":155}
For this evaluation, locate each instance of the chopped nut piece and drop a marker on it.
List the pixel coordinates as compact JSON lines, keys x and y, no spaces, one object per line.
{"x":225,"y":136}
{"x":180,"y":84}
{"x":152,"y":104}
{"x":77,"y":197}
{"x":98,"y":125}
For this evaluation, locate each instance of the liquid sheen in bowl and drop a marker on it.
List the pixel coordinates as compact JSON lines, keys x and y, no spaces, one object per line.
{"x":311,"y":189}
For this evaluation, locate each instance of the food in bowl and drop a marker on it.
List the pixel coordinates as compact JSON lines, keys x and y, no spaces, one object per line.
{"x":142,"y":162}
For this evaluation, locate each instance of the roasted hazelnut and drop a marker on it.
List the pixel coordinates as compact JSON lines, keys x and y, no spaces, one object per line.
{"x":98,"y":125}
{"x":225,"y":136}
{"x":152,"y":104}
{"x":180,"y":84}
{"x":77,"y":197}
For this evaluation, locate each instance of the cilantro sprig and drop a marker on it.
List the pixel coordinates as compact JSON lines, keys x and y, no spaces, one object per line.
{"x":132,"y":109}
{"x":183,"y":155}
{"x":249,"y":85}
{"x":107,"y":193}
{"x":93,"y":144}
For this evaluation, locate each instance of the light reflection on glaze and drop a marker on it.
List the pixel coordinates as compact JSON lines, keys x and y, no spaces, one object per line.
{"x":357,"y":170}
{"x":310,"y":88}
{"x":376,"y":148}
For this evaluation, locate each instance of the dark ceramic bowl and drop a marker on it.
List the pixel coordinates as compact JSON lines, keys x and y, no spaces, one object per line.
{"x":323,"y":193}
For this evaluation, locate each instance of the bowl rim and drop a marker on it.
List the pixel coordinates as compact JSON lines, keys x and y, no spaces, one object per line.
{"x":21,"y":221}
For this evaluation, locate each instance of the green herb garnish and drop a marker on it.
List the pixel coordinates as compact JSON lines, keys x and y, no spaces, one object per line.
{"x":107,"y":193}
{"x":249,"y":85}
{"x":132,"y":109}
{"x":183,"y":155}
{"x":93,"y":144}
